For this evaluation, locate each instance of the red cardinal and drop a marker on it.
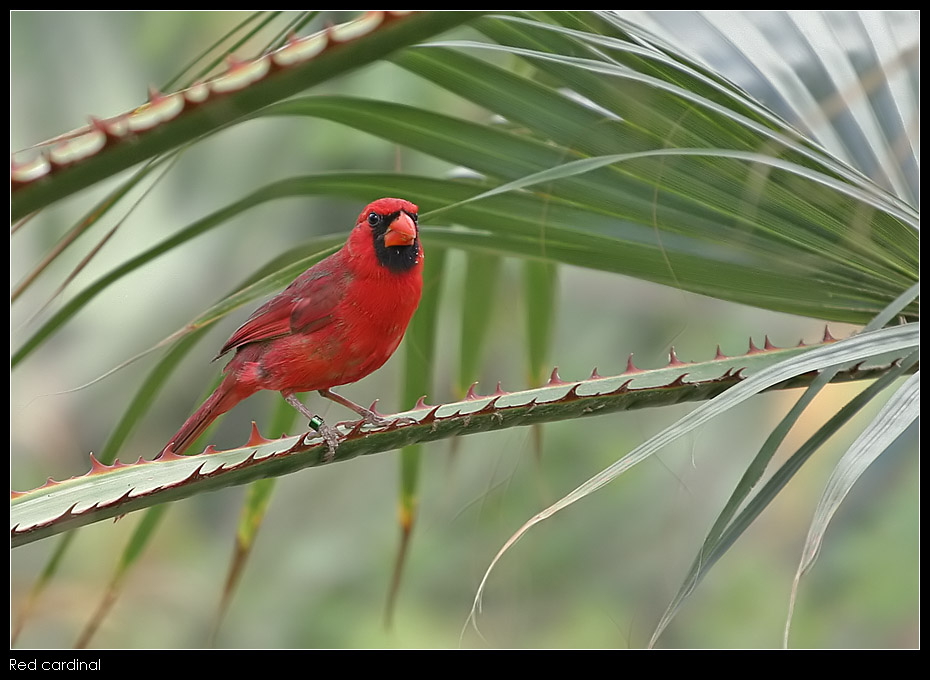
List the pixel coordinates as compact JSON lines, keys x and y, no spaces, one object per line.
{"x":336,"y":323}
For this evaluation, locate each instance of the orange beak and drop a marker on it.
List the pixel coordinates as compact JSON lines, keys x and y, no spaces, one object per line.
{"x":401,"y":232}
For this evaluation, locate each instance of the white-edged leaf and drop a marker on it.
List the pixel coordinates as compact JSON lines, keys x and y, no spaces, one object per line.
{"x":583,"y":165}
{"x":850,"y":350}
{"x":898,"y":413}
{"x":714,"y":544}
{"x":849,"y":78}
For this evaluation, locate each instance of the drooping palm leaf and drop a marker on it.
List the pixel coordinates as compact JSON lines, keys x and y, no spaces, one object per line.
{"x":617,"y":152}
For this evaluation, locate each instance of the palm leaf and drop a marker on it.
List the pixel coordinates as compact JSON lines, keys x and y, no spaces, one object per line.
{"x":586,"y":140}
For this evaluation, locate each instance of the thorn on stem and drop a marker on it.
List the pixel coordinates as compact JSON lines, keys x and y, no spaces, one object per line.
{"x":630,"y":366}
{"x":255,"y":437}
{"x":554,"y":378}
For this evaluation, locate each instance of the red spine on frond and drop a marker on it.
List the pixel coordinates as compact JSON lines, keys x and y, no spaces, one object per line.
{"x":679,"y":381}
{"x":96,"y":466}
{"x":255,"y":437}
{"x":625,"y":387}
{"x":673,"y":359}
{"x":490,"y":406}
{"x":554,"y":378}
{"x":430,"y":417}
{"x":630,"y":366}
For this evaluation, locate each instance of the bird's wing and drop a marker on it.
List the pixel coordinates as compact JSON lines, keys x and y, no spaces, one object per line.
{"x":303,"y":307}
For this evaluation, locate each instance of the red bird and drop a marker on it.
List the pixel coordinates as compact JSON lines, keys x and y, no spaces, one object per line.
{"x":336,"y":323}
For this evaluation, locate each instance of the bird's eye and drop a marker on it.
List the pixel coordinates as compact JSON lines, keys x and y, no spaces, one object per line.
{"x":374,"y":219}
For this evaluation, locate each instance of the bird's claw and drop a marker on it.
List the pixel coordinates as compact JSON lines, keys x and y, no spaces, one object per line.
{"x":375,"y":420}
{"x":328,"y":434}
{"x":332,"y":442}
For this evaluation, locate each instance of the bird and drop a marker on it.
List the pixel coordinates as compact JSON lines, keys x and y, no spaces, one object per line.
{"x":336,"y":323}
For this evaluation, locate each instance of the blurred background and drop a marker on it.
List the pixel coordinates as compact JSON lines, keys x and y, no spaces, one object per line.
{"x":597,"y":575}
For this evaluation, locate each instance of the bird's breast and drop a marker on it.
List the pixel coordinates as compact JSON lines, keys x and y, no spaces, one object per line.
{"x":367,"y":326}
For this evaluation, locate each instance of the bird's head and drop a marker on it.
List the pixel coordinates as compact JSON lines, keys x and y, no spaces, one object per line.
{"x":391,"y":226}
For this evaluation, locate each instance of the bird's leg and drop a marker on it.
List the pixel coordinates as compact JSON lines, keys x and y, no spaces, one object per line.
{"x":329,"y":435}
{"x":369,"y":416}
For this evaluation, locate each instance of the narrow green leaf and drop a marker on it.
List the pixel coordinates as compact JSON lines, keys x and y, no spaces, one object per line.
{"x":586,"y":165}
{"x":293,"y":28}
{"x":418,"y":381}
{"x":706,"y":275}
{"x":713,"y":200}
{"x":780,"y":478}
{"x":108,"y":202}
{"x":251,"y":517}
{"x":173,"y":82}
{"x":101,"y":494}
{"x":140,"y":404}
{"x":895,"y":417}
{"x":788,"y":286}
{"x":540,"y":290}
{"x":851,"y":89}
{"x":852,"y":349}
{"x":254,"y":508}
{"x":775,"y":222}
{"x":135,"y":411}
{"x":714,"y":550}
{"x":218,"y":112}
{"x":212,"y":221}
{"x":280,"y":272}
{"x":665,"y":80}
{"x":711,"y":548}
{"x":205,"y":68}
{"x":88,"y":220}
{"x":38,"y":588}
{"x":479,"y":297}
{"x":150,"y":520}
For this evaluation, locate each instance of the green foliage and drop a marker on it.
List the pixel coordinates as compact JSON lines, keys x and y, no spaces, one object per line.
{"x":574,"y":141}
{"x":111,"y":491}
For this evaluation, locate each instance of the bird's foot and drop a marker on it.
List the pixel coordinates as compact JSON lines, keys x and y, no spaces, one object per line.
{"x":377,"y":420}
{"x":369,"y":415}
{"x":329,"y":435}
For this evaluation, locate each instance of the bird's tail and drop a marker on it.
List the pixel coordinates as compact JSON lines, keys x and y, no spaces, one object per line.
{"x":223,"y":398}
